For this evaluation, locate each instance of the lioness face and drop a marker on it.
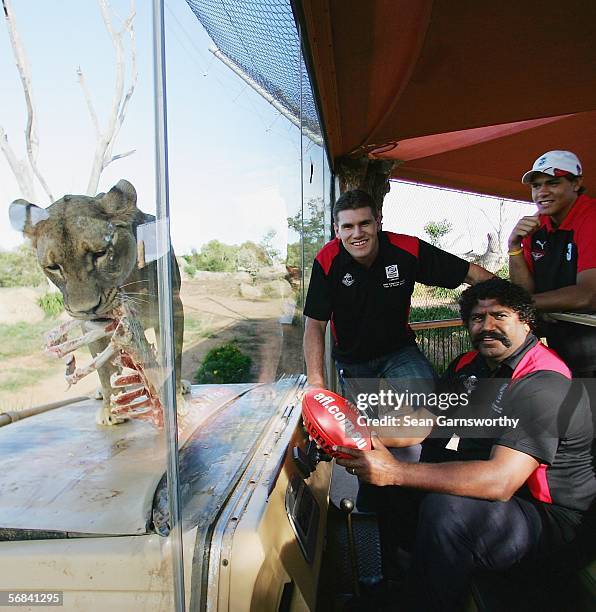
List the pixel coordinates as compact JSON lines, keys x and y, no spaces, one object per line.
{"x":86,"y":256}
{"x":86,"y":246}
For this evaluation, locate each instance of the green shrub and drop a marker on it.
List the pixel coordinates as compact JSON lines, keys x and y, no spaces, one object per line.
{"x":445,"y":294}
{"x":224,"y":364}
{"x":503,"y":272}
{"x":190,"y":269}
{"x":19,"y":268}
{"x":51,"y":303}
{"x":433,"y":313}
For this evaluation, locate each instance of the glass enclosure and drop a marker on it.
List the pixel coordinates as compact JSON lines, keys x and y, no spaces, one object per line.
{"x":80,"y":285}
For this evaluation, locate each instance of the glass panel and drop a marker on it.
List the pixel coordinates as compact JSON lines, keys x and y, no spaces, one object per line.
{"x":77,"y":117}
{"x":240,"y":199}
{"x":314,"y":221}
{"x":235,"y":181}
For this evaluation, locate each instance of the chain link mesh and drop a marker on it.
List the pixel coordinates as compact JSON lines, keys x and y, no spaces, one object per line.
{"x":260,"y":37}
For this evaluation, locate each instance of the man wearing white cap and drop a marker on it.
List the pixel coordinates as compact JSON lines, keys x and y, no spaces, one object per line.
{"x":552,"y":254}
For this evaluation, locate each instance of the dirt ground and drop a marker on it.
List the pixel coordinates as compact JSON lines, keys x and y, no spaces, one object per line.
{"x":217,"y":310}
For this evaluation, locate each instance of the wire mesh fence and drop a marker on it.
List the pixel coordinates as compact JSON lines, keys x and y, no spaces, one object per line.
{"x":260,"y":37}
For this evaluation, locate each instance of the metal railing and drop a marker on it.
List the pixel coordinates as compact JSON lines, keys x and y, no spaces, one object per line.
{"x":441,"y":341}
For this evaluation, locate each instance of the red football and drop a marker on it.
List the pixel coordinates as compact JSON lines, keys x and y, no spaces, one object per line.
{"x":332,"y":421}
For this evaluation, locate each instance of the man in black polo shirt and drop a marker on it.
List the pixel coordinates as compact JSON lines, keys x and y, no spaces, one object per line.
{"x":507,"y":476}
{"x":362,"y":282}
{"x":553,"y":255}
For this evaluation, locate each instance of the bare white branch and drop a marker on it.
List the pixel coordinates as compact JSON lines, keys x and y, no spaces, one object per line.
{"x":128,"y":27}
{"x":31,"y":139}
{"x":20,"y":169}
{"x":121,"y":155}
{"x":105,"y":141}
{"x":89,"y":101}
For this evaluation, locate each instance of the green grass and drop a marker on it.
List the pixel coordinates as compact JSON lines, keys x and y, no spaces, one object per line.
{"x":23,"y":338}
{"x":16,"y":379}
{"x":192,"y":326}
{"x":195,"y":328}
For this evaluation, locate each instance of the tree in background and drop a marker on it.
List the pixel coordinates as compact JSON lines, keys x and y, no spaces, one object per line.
{"x":215,"y":256}
{"x":312,"y":231}
{"x":19,"y":268}
{"x":27,"y":171}
{"x":437,"y":230}
{"x":266,"y":245}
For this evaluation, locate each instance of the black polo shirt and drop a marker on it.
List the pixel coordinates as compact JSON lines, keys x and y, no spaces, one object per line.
{"x":554,"y":256}
{"x":555,"y":423}
{"x":369,"y":308}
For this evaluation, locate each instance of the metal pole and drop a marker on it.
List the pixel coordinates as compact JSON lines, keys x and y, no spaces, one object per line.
{"x":12,"y":416}
{"x":166,"y":318}
{"x":302,"y":253}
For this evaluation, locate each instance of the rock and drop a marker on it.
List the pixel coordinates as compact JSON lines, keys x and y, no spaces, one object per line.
{"x":271,"y":272}
{"x":250,"y":292}
{"x":277,"y":289}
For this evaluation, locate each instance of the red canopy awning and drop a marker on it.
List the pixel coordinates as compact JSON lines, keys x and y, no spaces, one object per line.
{"x":462,"y":93}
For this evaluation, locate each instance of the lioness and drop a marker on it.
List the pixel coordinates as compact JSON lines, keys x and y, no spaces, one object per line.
{"x":87,"y":247}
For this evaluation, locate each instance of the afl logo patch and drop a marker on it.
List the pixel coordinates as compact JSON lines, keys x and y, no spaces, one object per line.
{"x":348,"y":280}
{"x":392,"y":272}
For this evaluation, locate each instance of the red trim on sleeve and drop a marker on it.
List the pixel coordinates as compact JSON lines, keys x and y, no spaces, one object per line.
{"x":465,"y":359}
{"x":539,"y":357}
{"x":327,"y":254}
{"x":405,"y":242}
{"x":538,"y":484}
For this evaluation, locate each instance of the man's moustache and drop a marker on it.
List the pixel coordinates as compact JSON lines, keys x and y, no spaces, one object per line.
{"x":504,"y":340}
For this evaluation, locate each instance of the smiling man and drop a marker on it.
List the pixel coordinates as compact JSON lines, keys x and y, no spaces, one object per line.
{"x":553,"y":255}
{"x":362,"y":282}
{"x":488,"y":498}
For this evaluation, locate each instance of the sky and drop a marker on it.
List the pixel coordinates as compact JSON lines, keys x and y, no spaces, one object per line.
{"x":234,"y":161}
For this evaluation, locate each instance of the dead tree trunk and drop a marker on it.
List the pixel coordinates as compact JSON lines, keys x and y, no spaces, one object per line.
{"x":105,"y":138}
{"x":25,"y":172}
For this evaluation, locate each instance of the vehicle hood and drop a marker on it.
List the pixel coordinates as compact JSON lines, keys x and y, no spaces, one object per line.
{"x":62,"y":474}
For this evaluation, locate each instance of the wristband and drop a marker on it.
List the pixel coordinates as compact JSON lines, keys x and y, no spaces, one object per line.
{"x":515,"y":252}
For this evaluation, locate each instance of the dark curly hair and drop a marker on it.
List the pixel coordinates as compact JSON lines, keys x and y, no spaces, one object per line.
{"x":506,"y":293}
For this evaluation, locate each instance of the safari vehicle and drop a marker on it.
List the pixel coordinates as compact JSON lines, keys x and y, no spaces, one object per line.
{"x":241,"y":511}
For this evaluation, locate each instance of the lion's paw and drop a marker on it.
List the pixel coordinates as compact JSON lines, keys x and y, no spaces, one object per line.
{"x":105,"y":417}
{"x":182,"y":405}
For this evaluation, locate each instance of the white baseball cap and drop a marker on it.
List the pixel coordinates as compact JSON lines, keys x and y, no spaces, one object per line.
{"x":555,"y":163}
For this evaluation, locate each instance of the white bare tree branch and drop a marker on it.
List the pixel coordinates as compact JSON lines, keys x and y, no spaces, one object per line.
{"x":106,"y":138}
{"x":128,"y":27}
{"x":31,"y":140}
{"x":20,"y":168}
{"x":26,"y":171}
{"x":121,"y":155}
{"x":89,"y":101}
